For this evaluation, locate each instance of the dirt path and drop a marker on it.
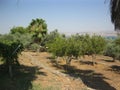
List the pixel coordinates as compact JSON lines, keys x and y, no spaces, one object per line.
{"x":53,"y":77}
{"x":100,"y":77}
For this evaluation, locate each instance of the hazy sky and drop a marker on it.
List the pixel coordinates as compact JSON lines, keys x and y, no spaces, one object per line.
{"x":69,"y":16}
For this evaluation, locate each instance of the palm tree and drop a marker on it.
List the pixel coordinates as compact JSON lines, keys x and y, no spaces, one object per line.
{"x":38,"y":28}
{"x":115,"y":13}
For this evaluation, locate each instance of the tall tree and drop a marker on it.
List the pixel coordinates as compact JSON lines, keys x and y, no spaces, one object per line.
{"x":115,"y":13}
{"x":38,"y":28}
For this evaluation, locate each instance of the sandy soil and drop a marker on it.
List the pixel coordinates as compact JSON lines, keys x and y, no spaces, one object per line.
{"x":80,"y":75}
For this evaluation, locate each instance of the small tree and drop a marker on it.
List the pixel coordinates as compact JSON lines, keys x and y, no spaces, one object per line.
{"x":113,"y":49}
{"x":67,"y":47}
{"x":86,"y":44}
{"x":9,"y":51}
{"x":73,"y":49}
{"x":97,"y":46}
{"x":57,"y":46}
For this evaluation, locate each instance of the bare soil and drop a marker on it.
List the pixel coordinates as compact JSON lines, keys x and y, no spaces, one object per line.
{"x":80,"y":75}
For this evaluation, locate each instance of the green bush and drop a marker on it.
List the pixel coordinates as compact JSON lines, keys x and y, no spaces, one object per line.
{"x":25,"y":39}
{"x":113,"y":49}
{"x":34,"y":47}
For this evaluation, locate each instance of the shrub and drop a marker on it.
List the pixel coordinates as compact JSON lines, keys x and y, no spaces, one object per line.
{"x":34,"y":47}
{"x":113,"y":49}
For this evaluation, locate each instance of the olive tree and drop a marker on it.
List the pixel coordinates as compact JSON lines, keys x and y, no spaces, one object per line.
{"x":113,"y":49}
{"x":98,"y":44}
{"x":67,"y":47}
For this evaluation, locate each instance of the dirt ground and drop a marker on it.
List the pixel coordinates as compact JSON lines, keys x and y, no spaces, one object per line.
{"x":80,"y":75}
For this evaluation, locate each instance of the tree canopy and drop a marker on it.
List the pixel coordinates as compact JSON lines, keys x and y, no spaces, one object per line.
{"x":38,"y":28}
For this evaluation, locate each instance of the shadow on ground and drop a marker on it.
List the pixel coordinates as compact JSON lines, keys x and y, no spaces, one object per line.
{"x":22,"y":78}
{"x":110,"y":61}
{"x":89,"y":77}
{"x":115,"y":68}
{"x":87,"y":62}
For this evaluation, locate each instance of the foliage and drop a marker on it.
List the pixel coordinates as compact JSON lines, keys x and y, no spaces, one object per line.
{"x":57,"y":46}
{"x":98,"y":44}
{"x":34,"y":47}
{"x":20,"y":30}
{"x":10,"y":47}
{"x":113,"y":49}
{"x":49,"y":37}
{"x":40,"y":87}
{"x":86,"y":44}
{"x":25,"y":39}
{"x":117,"y":41}
{"x":34,"y":33}
{"x":73,"y":47}
{"x":9,"y":50}
{"x":76,"y":46}
{"x":38,"y":28}
{"x":115,"y":13}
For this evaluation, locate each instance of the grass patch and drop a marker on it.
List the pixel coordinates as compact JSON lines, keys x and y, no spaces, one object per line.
{"x":39,"y":87}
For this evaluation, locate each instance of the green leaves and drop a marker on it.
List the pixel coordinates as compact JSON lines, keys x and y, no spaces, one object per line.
{"x":9,"y":51}
{"x":76,"y":45}
{"x":73,"y":47}
{"x":117,"y":41}
{"x":57,"y":46}
{"x":20,"y":30}
{"x":98,"y":44}
{"x":38,"y":28}
{"x":113,"y":49}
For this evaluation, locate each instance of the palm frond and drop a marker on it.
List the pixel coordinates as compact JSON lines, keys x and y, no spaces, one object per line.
{"x":115,"y":13}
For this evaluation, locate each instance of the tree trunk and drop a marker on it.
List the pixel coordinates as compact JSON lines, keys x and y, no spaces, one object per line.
{"x":10,"y":71}
{"x":93,"y":59}
{"x":68,"y":61}
{"x":57,"y":59}
{"x":17,"y":62}
{"x":114,"y":59}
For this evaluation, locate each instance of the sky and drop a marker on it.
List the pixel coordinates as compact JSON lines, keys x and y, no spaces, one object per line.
{"x":68,"y":16}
